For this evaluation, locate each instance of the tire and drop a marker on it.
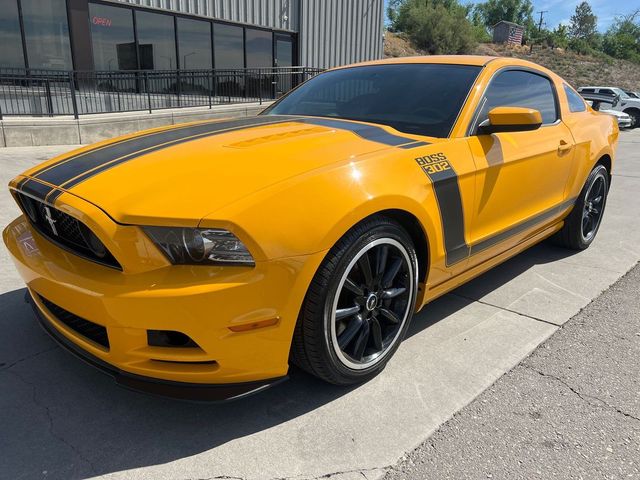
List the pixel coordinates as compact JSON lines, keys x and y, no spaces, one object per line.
{"x":346,"y":332}
{"x":635,"y":117}
{"x":577,"y":233}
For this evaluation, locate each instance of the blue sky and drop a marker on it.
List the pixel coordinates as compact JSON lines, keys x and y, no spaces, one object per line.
{"x":561,"y":10}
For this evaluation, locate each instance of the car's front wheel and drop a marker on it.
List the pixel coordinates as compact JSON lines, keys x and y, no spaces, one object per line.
{"x":359,"y":304}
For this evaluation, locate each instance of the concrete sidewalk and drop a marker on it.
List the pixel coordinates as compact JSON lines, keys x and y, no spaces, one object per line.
{"x":61,"y":417}
{"x":570,"y":410}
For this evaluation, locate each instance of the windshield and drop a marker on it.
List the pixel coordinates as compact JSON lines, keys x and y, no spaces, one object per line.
{"x":622,"y":93}
{"x":422,"y":99}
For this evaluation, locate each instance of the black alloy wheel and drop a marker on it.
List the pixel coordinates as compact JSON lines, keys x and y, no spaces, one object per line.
{"x":359,"y":304}
{"x":593,"y":208}
{"x":372,"y":303}
{"x":582,"y":224}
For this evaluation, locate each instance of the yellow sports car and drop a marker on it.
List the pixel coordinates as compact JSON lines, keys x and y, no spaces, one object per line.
{"x":199,"y":260}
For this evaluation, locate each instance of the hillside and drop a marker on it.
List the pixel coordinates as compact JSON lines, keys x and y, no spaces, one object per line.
{"x":578,"y":70}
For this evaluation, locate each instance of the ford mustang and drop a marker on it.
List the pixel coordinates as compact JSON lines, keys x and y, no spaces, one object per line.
{"x":201,"y":260}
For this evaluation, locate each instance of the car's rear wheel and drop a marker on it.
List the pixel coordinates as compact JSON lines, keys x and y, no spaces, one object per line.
{"x":359,"y":304}
{"x":582,"y":224}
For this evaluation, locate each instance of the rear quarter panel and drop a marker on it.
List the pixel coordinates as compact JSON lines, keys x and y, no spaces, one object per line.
{"x":595,"y":135}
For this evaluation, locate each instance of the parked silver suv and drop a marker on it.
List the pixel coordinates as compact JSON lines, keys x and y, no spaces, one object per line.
{"x":625,"y":103}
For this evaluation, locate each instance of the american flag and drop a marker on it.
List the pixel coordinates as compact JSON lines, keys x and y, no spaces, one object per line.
{"x":515,"y":35}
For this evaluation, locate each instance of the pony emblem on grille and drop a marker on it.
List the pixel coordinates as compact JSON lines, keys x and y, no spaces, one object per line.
{"x":50,"y":220}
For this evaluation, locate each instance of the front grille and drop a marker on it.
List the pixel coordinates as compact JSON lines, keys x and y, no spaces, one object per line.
{"x":63,"y":230}
{"x":89,"y":330}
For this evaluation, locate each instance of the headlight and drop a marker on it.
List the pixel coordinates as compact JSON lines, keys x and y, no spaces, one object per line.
{"x":195,"y":246}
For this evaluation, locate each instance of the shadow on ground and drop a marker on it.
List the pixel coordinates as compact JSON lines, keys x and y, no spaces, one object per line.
{"x":62,"y":417}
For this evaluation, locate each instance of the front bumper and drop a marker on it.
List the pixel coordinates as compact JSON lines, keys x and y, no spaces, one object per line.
{"x":180,"y":390}
{"x":206,"y":303}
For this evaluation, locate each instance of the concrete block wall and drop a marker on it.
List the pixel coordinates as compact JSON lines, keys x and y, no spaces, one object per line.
{"x":34,"y":131}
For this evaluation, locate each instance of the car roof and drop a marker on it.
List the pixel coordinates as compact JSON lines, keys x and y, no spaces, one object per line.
{"x":610,"y":88}
{"x":476,"y":60}
{"x":472,"y":60}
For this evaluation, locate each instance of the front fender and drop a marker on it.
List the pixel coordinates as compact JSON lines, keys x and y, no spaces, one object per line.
{"x":310,"y":213}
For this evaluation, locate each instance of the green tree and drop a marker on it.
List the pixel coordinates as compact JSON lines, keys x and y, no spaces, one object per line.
{"x":583,"y":24}
{"x":622,"y":40}
{"x":393,"y":6}
{"x":480,"y":31}
{"x":559,"y":37}
{"x":437,"y":26}
{"x":516,"y":11}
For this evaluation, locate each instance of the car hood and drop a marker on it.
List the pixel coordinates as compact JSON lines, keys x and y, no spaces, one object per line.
{"x":181,"y":174}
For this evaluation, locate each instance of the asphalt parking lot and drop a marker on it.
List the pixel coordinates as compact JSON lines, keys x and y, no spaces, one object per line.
{"x":61,"y":419}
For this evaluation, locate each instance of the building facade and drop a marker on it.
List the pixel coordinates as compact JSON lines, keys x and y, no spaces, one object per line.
{"x":109,"y":35}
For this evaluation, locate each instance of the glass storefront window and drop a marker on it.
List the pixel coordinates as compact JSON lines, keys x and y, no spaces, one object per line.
{"x":194,"y":44}
{"x":10,"y":35}
{"x":228,"y":43}
{"x":114,"y":46}
{"x":156,"y":41}
{"x":259,"y":48}
{"x":47,"y":34}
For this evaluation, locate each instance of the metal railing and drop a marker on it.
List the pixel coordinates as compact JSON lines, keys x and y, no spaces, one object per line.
{"x":54,"y":92}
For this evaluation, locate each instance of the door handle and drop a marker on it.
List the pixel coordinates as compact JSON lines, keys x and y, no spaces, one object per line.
{"x":564,"y":146}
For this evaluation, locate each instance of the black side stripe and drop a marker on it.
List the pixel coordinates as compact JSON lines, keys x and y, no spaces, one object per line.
{"x":449,"y":200}
{"x":68,"y":169}
{"x":522,"y":226}
{"x":368,"y":132}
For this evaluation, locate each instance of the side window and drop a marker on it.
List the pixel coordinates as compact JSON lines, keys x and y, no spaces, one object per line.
{"x":519,"y":88}
{"x":588,"y":90}
{"x":576,"y":103}
{"x":606,"y":91}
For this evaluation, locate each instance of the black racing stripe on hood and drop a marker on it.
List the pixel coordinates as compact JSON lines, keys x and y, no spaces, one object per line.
{"x":229,"y":127}
{"x":60,"y":174}
{"x":35,"y":189}
{"x":368,"y":132}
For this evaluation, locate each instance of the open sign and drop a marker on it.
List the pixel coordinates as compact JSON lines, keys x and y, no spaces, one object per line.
{"x":102,"y":21}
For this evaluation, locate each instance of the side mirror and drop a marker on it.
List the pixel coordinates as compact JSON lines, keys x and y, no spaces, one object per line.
{"x":510,"y":119}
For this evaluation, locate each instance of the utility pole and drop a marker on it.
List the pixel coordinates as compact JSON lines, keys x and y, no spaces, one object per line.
{"x":542,"y":12}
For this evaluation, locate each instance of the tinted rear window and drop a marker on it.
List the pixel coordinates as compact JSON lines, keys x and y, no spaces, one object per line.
{"x":422,"y":99}
{"x":576,"y":103}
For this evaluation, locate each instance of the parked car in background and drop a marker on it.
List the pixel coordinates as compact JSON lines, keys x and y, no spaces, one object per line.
{"x":627,"y":103}
{"x":624,"y":119}
{"x":605,"y":104}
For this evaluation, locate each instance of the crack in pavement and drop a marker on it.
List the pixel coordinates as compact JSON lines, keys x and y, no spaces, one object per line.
{"x":360,"y":471}
{"x":28,"y":357}
{"x":47,"y":411}
{"x":506,"y":309}
{"x":217,"y":477}
{"x":583,"y":396}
